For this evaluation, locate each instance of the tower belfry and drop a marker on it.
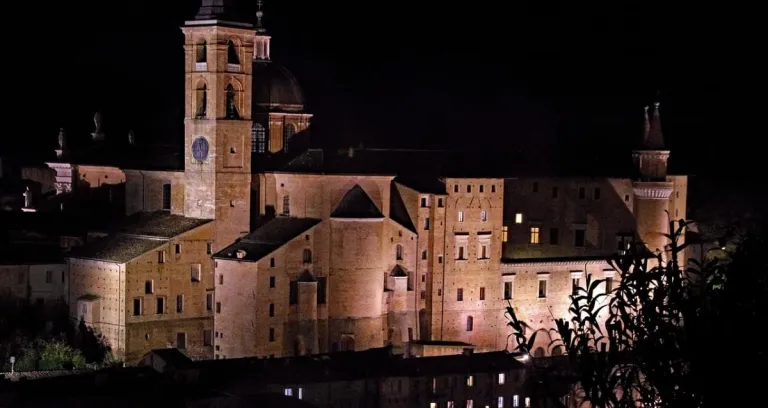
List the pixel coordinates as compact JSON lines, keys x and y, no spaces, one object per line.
{"x":218,"y":51}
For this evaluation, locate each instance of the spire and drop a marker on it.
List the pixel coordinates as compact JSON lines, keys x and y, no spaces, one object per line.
{"x":214,"y":10}
{"x":654,"y":138}
{"x":259,"y":15}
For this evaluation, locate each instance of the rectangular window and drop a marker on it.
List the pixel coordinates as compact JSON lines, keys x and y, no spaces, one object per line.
{"x":439,"y":259}
{"x":483,"y":216}
{"x":288,"y":391}
{"x":460,"y":295}
{"x":518,"y":218}
{"x":426,"y":224}
{"x":527,"y":402}
{"x":470,"y":381}
{"x":221,"y":279}
{"x":608,"y":284}
{"x":271,"y":310}
{"x":48,"y":276}
{"x":160,"y":305}
{"x":293,"y":293}
{"x":504,"y":233}
{"x":271,"y":334}
{"x":470,"y":404}
{"x":575,"y":283}
{"x":209,"y":248}
{"x":423,"y":295}
{"x":424,"y":255}
{"x":137,"y":306}
{"x":207,"y":338}
{"x":218,"y":307}
{"x":482,"y":293}
{"x":271,"y":262}
{"x":554,"y":236}
{"x":148,"y":287}
{"x":484,"y":252}
{"x":502,"y":378}
{"x":461,"y":216}
{"x":515,"y":401}
{"x":179,"y":303}
{"x":195,"y":272}
{"x":542,"y":288}
{"x":209,"y":302}
{"x":596,"y":194}
{"x":469,"y":188}
{"x":579,"y":237}
{"x":271,"y":281}
{"x":160,"y":256}
{"x":181,"y":340}
{"x":166,"y":196}
{"x":424,"y":202}
{"x":493,"y":188}
{"x":178,"y":249}
{"x":321,"y":289}
{"x":501,"y":402}
{"x":440,"y":202}
{"x":535,"y":235}
{"x":508,"y":290}
{"x":461,"y":253}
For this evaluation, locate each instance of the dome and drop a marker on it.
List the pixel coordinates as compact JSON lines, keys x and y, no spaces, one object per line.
{"x":275,"y":89}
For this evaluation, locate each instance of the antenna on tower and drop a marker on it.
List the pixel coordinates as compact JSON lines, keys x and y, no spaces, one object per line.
{"x":259,"y":16}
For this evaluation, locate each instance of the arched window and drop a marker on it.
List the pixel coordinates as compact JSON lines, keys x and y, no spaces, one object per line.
{"x":399,"y":252}
{"x":232,"y":57}
{"x":258,"y":138}
{"x":288,"y":131}
{"x":202,"y":52}
{"x":470,"y":323}
{"x":286,"y":205}
{"x":557,"y":351}
{"x":539,"y":352}
{"x":306,"y":255}
{"x":201,"y":100}
{"x":232,"y":112}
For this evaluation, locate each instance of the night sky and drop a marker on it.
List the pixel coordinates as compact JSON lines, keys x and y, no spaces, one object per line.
{"x":550,"y":79}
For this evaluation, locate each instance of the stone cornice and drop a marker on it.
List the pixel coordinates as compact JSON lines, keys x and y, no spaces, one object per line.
{"x":511,"y":266}
{"x":658,"y":190}
{"x":657,"y":153}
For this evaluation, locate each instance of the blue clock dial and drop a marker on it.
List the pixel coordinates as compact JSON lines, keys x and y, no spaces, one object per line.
{"x":200,"y":149}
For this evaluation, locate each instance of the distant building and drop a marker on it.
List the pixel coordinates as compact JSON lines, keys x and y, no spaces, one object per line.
{"x":33,"y":274}
{"x":302,"y":250}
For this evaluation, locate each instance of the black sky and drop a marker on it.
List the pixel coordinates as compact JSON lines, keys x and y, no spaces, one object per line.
{"x":482,"y":74}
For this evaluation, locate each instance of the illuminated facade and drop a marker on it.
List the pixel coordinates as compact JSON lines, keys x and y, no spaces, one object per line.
{"x":301,"y":259}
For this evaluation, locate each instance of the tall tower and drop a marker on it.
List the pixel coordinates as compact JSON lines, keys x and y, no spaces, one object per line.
{"x":278,"y":101}
{"x":218,"y":51}
{"x":652,"y":189}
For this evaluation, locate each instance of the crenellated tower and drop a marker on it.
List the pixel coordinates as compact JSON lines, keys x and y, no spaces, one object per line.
{"x":218,"y":50}
{"x":652,"y":189}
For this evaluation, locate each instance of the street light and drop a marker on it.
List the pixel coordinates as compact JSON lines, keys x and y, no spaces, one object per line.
{"x":13,"y":362}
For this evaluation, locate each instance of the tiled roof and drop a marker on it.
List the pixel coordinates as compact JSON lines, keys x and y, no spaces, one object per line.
{"x":116,"y":248}
{"x":356,"y":204}
{"x":161,"y":224}
{"x":267,"y":238}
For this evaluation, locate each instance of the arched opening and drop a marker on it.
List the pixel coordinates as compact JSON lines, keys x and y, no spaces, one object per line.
{"x":347,"y":343}
{"x":286,"y":205}
{"x":399,"y":252}
{"x":232,"y":112}
{"x":201,"y":100}
{"x":306,"y":255}
{"x":201,"y":52}
{"x":258,"y":138}
{"x":557,"y":351}
{"x":288,"y":131}
{"x":539,"y":352}
{"x":232,"y":57}
{"x":470,"y":323}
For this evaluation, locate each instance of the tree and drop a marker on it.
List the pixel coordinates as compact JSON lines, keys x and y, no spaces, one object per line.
{"x":669,"y":332}
{"x":49,"y":355}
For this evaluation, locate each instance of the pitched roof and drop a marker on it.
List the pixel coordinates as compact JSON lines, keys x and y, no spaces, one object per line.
{"x":267,"y":238}
{"x":161,"y":224}
{"x":427,"y":185}
{"x":356,"y":204}
{"x":115,"y":248}
{"x":397,"y":210}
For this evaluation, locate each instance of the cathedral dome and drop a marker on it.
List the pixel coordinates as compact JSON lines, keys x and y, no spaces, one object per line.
{"x":275,"y":89}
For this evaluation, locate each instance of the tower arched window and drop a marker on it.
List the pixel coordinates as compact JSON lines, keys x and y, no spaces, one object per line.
{"x":201,"y":100}
{"x":202,"y":52}
{"x":288,"y":131}
{"x":232,"y":57}
{"x":286,"y":205}
{"x":306,"y":256}
{"x":232,"y":112}
{"x":470,"y":323}
{"x":399,"y":252}
{"x":258,"y":138}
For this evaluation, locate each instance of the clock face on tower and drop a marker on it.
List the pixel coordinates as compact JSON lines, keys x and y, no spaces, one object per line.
{"x":200,"y":149}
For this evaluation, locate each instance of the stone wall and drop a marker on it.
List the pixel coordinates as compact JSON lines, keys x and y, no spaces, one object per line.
{"x":144,"y":190}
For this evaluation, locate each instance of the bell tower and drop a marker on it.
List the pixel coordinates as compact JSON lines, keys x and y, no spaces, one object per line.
{"x":652,"y":189}
{"x":218,"y":50}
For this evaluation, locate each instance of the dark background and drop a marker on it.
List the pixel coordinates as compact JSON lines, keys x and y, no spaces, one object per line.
{"x":565,"y":81}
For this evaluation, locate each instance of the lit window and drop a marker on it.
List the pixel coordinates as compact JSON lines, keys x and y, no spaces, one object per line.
{"x":504,"y":233}
{"x":433,"y":405}
{"x":519,"y":218}
{"x":258,"y":138}
{"x":527,"y":402}
{"x":515,"y":401}
{"x":461,"y":216}
{"x":501,"y":402}
{"x":450,"y":404}
{"x":483,"y":216}
{"x":535,"y":235}
{"x":470,"y":380}
{"x":470,"y":404}
{"x":289,"y":392}
{"x":501,"y":378}
{"x":301,"y":393}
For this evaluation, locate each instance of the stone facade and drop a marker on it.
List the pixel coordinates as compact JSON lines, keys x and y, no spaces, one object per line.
{"x":38,"y":283}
